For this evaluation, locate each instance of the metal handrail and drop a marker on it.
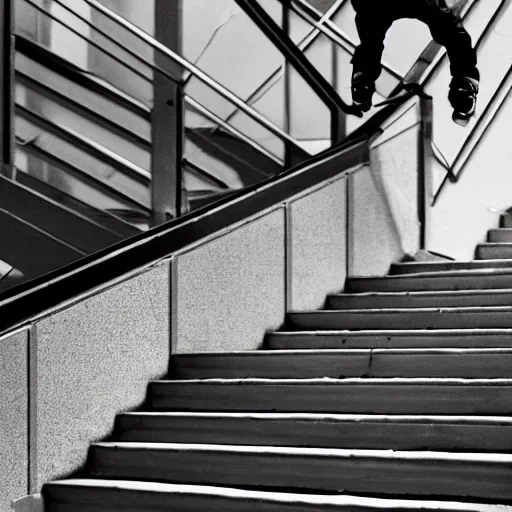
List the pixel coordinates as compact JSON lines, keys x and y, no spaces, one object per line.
{"x":204,"y":77}
{"x":81,"y":36}
{"x":109,"y":124}
{"x":297,"y":60}
{"x":303,"y":45}
{"x":31,"y":147}
{"x":94,"y":149}
{"x":200,"y":75}
{"x":82,"y":110}
{"x":31,"y":300}
{"x":226,"y":126}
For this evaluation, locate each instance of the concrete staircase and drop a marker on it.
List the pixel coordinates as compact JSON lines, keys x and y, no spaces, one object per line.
{"x":397,"y":396}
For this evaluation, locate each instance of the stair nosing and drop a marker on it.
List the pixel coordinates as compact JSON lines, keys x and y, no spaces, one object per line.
{"x":342,"y":418}
{"x":430,"y":309}
{"x":394,"y":332}
{"x":367,"y":381}
{"x":504,"y":458}
{"x":284,"y":497}
{"x":342,"y":351}
{"x":448,"y":262}
{"x":444,"y":273}
{"x":427,"y":293}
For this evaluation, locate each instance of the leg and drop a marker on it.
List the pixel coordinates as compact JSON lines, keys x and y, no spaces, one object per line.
{"x":447,"y":30}
{"x":372,"y":25}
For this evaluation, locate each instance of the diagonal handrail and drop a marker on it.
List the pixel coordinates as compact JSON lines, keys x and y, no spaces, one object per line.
{"x":188,"y":100}
{"x":191,"y":68}
{"x":324,"y":90}
{"x":304,"y":44}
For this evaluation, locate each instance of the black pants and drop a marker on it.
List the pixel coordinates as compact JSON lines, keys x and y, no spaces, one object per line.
{"x":375,"y":17}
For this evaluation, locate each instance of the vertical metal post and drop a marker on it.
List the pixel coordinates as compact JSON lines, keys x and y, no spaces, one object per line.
{"x":339,"y":120}
{"x":287,"y":89}
{"x":425,"y":156}
{"x":167,"y":120}
{"x":7,"y":87}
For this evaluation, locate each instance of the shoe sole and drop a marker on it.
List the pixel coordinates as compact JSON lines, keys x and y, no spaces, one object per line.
{"x":364,"y":107}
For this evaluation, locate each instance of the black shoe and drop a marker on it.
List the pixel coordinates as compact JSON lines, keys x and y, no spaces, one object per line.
{"x":463,"y":94}
{"x":362,"y":91}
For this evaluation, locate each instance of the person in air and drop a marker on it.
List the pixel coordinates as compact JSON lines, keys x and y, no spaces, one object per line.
{"x":375,"y":17}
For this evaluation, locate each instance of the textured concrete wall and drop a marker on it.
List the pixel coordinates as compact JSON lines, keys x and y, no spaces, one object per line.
{"x":13,"y":419}
{"x":383,"y":205}
{"x":230,"y":290}
{"x":317,"y":246}
{"x":374,"y":236}
{"x":95,"y":359}
{"x":395,"y":169}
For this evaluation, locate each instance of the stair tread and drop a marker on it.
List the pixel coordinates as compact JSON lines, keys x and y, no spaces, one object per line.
{"x":496,"y":458}
{"x":343,"y":382}
{"x":396,"y":332}
{"x":448,"y":262}
{"x":316,"y":417}
{"x":445,"y":309}
{"x":283,"y":497}
{"x":443,"y":273}
{"x":341,"y":351}
{"x":428,"y":293}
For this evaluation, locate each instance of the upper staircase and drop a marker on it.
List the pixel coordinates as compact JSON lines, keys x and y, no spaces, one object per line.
{"x":396,"y":396}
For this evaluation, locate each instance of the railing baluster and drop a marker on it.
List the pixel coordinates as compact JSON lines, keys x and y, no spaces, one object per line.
{"x":167,"y":123}
{"x":7,"y":87}
{"x":425,"y":156}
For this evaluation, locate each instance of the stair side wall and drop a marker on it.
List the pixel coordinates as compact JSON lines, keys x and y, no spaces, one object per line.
{"x":91,"y":361}
{"x":13,"y":418}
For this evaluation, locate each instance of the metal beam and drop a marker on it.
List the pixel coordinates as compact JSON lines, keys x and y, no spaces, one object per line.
{"x":167,"y":119}
{"x":7,"y":86}
{"x":425,"y":159}
{"x":300,"y":63}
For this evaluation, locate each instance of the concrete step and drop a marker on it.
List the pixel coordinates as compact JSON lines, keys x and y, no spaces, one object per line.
{"x":352,"y":395}
{"x":92,"y":495}
{"x":442,"y":266}
{"x":418,"y":318}
{"x":441,"y":474}
{"x":438,"y":433}
{"x":287,"y":364}
{"x":499,"y":235}
{"x":494,"y":251}
{"x":484,"y":279}
{"x":461,"y":298}
{"x":437,"y":338}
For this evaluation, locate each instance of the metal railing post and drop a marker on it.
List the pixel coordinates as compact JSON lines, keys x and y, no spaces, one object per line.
{"x":339,"y":125}
{"x":287,"y":88}
{"x":300,"y":63}
{"x":167,"y":130}
{"x":425,"y":156}
{"x":7,"y":87}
